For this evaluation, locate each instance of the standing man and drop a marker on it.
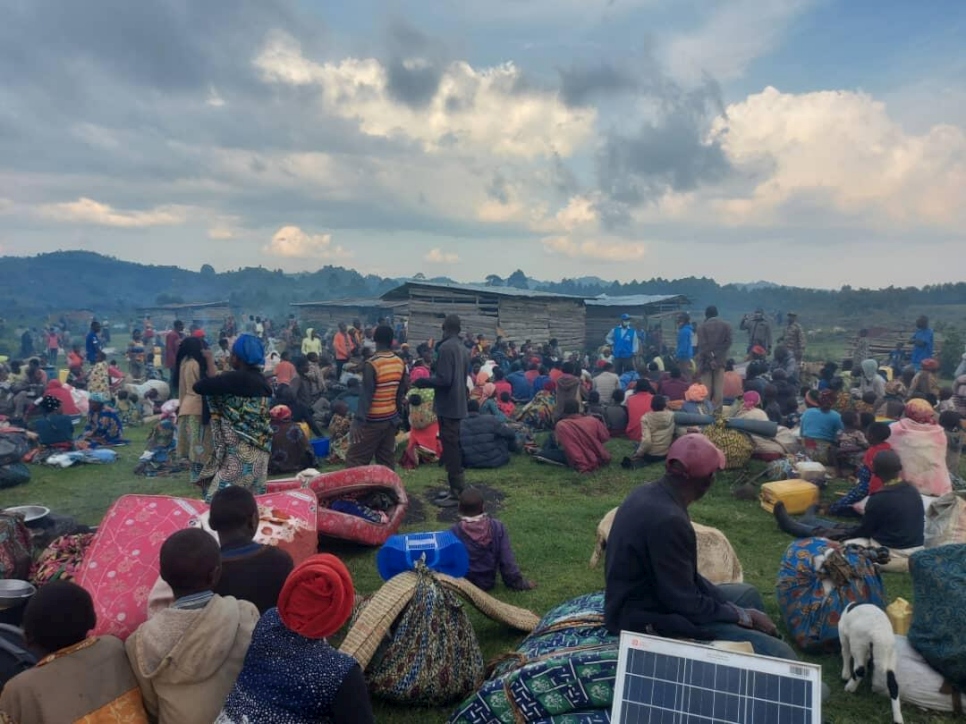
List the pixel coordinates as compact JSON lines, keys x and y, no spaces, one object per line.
{"x":93,"y":342}
{"x":759,"y":330}
{"x":449,"y":382}
{"x":794,"y":338}
{"x":625,"y":343}
{"x":684,"y":353}
{"x":714,"y":346}
{"x":652,"y":578}
{"x":922,"y":342}
{"x":171,"y":343}
{"x":384,"y":386}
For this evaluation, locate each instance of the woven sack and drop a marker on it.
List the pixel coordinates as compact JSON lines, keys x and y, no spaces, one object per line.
{"x":939,"y":610}
{"x":736,"y":446}
{"x":432,"y":657}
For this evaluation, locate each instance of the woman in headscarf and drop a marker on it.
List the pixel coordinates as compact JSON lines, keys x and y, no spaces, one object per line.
{"x":291,"y":450}
{"x":921,"y":445}
{"x":895,"y":396}
{"x":159,"y":458}
{"x":538,"y":413}
{"x":488,"y":404}
{"x":925,"y":381}
{"x":241,"y":433}
{"x":820,"y":427}
{"x":54,"y":429}
{"x":870,"y":381}
{"x":696,"y":401}
{"x":103,"y":423}
{"x":67,"y":405}
{"x":289,"y":649}
{"x":192,"y":364}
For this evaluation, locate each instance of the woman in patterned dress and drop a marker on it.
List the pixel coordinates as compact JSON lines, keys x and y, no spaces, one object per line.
{"x":241,"y":433}
{"x":193,"y":363}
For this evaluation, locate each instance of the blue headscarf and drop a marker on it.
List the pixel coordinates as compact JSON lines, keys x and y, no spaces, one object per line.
{"x":248,"y":348}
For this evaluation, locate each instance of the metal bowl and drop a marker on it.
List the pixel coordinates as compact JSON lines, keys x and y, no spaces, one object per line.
{"x":30,"y":513}
{"x":14,"y":592}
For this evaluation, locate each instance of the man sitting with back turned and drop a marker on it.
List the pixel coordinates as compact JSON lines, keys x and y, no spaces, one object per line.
{"x":653,"y":584}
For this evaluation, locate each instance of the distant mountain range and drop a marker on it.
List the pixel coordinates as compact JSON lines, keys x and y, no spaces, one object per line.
{"x":79,"y":280}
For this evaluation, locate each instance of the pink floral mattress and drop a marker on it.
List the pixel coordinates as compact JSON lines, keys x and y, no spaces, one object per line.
{"x":121,"y":564}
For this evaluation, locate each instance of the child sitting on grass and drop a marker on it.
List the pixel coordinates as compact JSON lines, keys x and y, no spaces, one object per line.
{"x":488,"y":543}
{"x":877,"y":437}
{"x":128,"y":408}
{"x":657,"y":434}
{"x":851,"y":444}
{"x":593,"y":405}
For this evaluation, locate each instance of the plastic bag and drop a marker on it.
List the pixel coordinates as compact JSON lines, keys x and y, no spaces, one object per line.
{"x":946,"y":520}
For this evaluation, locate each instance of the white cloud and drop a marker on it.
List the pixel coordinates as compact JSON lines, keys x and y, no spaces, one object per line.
{"x":840,"y":151}
{"x":292,"y":243}
{"x":473,"y":109}
{"x":736,"y":33}
{"x":438,"y":256}
{"x":595,"y":250}
{"x":214,"y":98}
{"x":88,"y":211}
{"x":220,"y":233}
{"x":6,"y":205}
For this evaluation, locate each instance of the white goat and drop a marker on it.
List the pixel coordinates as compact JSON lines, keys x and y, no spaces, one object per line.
{"x":864,"y":632}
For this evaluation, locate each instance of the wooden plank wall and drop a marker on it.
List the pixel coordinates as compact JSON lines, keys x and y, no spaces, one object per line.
{"x":428,"y":308}
{"x":568,"y":323}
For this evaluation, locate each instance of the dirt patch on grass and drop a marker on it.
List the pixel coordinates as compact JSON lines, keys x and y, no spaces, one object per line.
{"x":416,"y":512}
{"x":493,"y":501}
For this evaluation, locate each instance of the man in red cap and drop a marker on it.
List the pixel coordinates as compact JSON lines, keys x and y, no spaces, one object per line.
{"x":653,"y":584}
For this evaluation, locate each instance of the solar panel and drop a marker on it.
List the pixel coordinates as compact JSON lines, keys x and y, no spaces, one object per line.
{"x":661,"y":681}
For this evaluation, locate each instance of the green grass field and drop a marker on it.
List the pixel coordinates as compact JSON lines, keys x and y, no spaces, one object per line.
{"x":552,"y":516}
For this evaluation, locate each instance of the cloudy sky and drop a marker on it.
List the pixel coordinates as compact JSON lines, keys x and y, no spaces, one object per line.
{"x":811,"y":142}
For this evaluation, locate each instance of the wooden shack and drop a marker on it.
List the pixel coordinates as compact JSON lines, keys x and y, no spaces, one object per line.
{"x":514,"y":314}
{"x":327,"y":315}
{"x":604,"y":312}
{"x":882,"y":340}
{"x":205,"y":314}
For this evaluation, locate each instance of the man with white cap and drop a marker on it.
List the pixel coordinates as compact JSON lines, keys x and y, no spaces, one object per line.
{"x":653,"y":584}
{"x":625,"y":343}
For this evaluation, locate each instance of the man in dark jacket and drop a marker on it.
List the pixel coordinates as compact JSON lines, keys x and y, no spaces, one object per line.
{"x":484,"y":440}
{"x":449,"y":382}
{"x":714,"y":345}
{"x":652,"y":579}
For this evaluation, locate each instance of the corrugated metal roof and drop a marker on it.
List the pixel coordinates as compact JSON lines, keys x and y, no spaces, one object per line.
{"x":402,"y":291}
{"x":637,"y":300}
{"x":370,"y":302}
{"x":191,"y":305}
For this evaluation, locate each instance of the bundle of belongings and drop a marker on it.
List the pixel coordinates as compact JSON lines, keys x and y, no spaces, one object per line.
{"x":816,"y":581}
{"x":93,"y":456}
{"x":564,"y":671}
{"x":415,"y":641}
{"x":13,"y":447}
{"x":363,"y":505}
{"x":717,"y":560}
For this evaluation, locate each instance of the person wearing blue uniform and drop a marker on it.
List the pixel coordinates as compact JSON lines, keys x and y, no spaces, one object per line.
{"x":625,"y":345}
{"x":93,"y":342}
{"x":922,"y":342}
{"x":684,"y":352}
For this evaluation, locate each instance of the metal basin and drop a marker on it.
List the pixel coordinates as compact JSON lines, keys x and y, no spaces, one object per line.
{"x":13,"y":592}
{"x":30,"y":513}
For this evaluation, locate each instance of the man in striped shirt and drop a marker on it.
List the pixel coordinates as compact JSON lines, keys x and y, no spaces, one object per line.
{"x":384,"y":386}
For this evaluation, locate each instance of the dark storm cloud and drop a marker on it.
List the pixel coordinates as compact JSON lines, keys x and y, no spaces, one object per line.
{"x":415,"y":65}
{"x":579,"y":86}
{"x":168,"y":45}
{"x":668,"y":153}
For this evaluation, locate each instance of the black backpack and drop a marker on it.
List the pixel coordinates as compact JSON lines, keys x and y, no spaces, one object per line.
{"x":14,"y":656}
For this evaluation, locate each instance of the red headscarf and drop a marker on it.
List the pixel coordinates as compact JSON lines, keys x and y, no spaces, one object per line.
{"x":920,"y":411}
{"x":317,"y":597}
